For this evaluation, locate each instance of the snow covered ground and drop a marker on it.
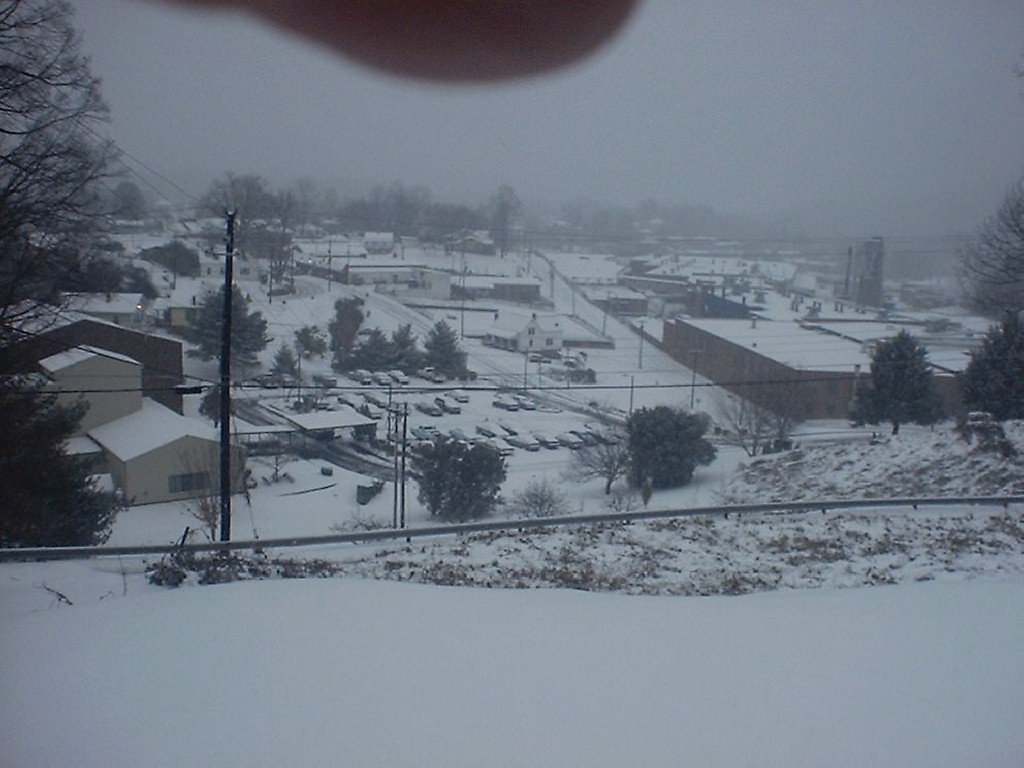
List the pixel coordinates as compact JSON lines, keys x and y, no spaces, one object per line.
{"x":101,"y":668}
{"x":353,"y":672}
{"x":707,"y":641}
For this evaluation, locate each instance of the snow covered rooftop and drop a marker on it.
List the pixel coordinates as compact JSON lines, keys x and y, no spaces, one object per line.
{"x":789,"y":343}
{"x":83,"y":445}
{"x":605,"y":293}
{"x":315,"y":421}
{"x":586,"y":268}
{"x":702,"y":266}
{"x":489,"y":281}
{"x":106,"y":303}
{"x":948,"y":350}
{"x":62,"y":360}
{"x":147,"y":429}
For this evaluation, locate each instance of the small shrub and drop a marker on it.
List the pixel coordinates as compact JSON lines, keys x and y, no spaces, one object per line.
{"x":541,"y":498}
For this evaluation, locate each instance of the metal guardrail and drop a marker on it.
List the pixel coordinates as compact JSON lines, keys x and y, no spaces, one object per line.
{"x":523,"y":524}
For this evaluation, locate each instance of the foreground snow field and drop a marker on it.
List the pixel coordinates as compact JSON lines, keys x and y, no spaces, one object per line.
{"x":351,"y":672}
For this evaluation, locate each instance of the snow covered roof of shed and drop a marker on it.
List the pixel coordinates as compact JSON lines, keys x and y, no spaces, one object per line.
{"x":147,"y":429}
{"x":62,"y":360}
{"x":315,"y":421}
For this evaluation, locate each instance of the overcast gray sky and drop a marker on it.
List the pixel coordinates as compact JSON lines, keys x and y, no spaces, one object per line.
{"x":840,"y":118}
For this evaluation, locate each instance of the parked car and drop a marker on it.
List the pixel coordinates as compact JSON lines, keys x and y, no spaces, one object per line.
{"x":502,"y":448}
{"x":505,"y":403}
{"x":372,"y":411}
{"x":526,"y":442}
{"x":423,"y":433}
{"x":430,"y":374}
{"x":570,"y":441}
{"x":509,"y":429}
{"x":486,"y":430}
{"x":587,"y":438}
{"x":429,"y":408}
{"x":324,"y":381}
{"x":459,"y":396}
{"x":376,"y":398}
{"x":382,"y":378}
{"x":361,"y":376}
{"x":602,"y":433}
{"x":448,"y":406}
{"x":546,"y":440}
{"x":525,"y":403}
{"x":398,"y":377}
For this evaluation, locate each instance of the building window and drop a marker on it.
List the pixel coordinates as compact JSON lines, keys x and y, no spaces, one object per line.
{"x":190,"y":481}
{"x":549,"y":342}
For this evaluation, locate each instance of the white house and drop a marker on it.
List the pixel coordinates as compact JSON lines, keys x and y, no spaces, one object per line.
{"x":543,"y":335}
{"x":125,"y":309}
{"x":379,"y":242}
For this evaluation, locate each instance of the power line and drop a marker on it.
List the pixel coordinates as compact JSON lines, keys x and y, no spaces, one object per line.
{"x":427,"y":390}
{"x":133,"y":158}
{"x":109,"y":354}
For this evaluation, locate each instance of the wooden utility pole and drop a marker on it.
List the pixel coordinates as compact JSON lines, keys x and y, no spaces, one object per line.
{"x":405,"y":435}
{"x":225,"y":385}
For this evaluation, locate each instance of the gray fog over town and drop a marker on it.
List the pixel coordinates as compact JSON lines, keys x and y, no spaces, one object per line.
{"x":610,"y":383}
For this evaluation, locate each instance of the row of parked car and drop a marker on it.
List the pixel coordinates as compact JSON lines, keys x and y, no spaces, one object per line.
{"x":380,"y":378}
{"x":505,"y":436}
{"x":507,"y":402}
{"x":394,"y":376}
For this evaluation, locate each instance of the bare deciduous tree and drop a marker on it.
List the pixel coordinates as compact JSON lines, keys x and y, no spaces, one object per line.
{"x":608,"y":460}
{"x":51,"y":157}
{"x":992,"y":264}
{"x":763,"y":413}
{"x":747,"y":425}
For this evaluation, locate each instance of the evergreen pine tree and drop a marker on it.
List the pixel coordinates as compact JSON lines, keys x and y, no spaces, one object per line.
{"x":405,"y":355}
{"x":902,"y":386}
{"x":456,"y":481}
{"x":310,"y":342}
{"x":248,"y":330}
{"x":666,"y":446}
{"x":994,"y":378}
{"x":285,"y":363}
{"x":442,"y":351}
{"x":374,"y":353}
{"x":343,"y":330}
{"x":49,"y":498}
